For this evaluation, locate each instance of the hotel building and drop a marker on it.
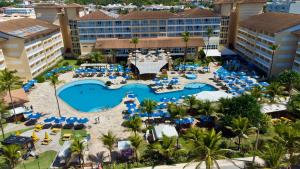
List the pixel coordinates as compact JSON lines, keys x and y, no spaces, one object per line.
{"x":257,"y":33}
{"x":100,"y":27}
{"x":296,"y":66}
{"x":29,"y":46}
{"x":232,"y":12}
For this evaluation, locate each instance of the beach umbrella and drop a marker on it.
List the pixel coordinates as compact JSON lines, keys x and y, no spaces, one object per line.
{"x":71,"y":120}
{"x":242,"y":73}
{"x":49,"y":119}
{"x":59,"y":120}
{"x":231,"y":91}
{"x":255,"y":77}
{"x":156,"y":79}
{"x":131,"y":95}
{"x":163,"y":105}
{"x":35,"y":116}
{"x":164,"y":99}
{"x":132,"y":110}
{"x":182,"y":97}
{"x":265,"y":84}
{"x":112,"y":77}
{"x":131,"y":105}
{"x":173,"y":99}
{"x":83,"y":120}
{"x":165,"y":78}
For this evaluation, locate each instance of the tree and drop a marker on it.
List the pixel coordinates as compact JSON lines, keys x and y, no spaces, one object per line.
{"x":207,"y":108}
{"x":134,"y":124}
{"x":191,"y":102}
{"x":148,"y":106}
{"x":4,"y":113}
{"x":185,"y":37}
{"x":113,"y":53}
{"x":273,"y":48}
{"x":135,"y":41}
{"x":274,"y":156}
{"x":166,"y":147}
{"x":256,"y":92}
{"x":209,"y":33}
{"x":240,"y":127}
{"x":11,"y":154}
{"x":96,"y":57}
{"x":8,"y":81}
{"x":109,"y":140}
{"x":209,"y":150}
{"x":136,"y":142}
{"x":294,"y":105}
{"x":289,"y":78}
{"x":77,"y":148}
{"x":177,"y":111}
{"x":54,"y":81}
{"x":194,"y":135}
{"x":289,"y":137}
{"x":274,"y":89}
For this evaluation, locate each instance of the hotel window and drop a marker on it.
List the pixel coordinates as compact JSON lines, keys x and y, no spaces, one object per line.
{"x":135,"y":23}
{"x":118,"y":23}
{"x":180,"y":22}
{"x":162,"y":29}
{"x":153,"y":22}
{"x":171,"y":22}
{"x":126,"y":23}
{"x":162,"y":22}
{"x":144,"y":22}
{"x":108,"y":23}
{"x":189,"y":21}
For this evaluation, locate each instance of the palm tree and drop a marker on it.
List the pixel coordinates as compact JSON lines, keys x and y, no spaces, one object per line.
{"x":9,"y":81}
{"x":208,"y":108}
{"x":294,"y":105}
{"x":273,"y":48}
{"x":257,"y":92}
{"x":3,"y":114}
{"x":209,"y":150}
{"x":11,"y":154}
{"x":289,"y":78}
{"x":177,"y":112}
{"x":194,"y":135}
{"x":240,"y":126}
{"x":274,"y":89}
{"x":166,"y":147}
{"x":136,"y":142}
{"x":289,"y":137}
{"x":135,"y":41}
{"x":54,"y":81}
{"x":109,"y":140}
{"x":274,"y":156}
{"x":113,"y":54}
{"x":77,"y":148}
{"x":209,"y":33}
{"x":96,"y":57}
{"x":191,"y":102}
{"x":185,"y":38}
{"x":148,"y":106}
{"x":134,"y":124}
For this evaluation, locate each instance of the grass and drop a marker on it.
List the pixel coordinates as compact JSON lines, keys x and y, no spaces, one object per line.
{"x":44,"y":161}
{"x":82,"y":133}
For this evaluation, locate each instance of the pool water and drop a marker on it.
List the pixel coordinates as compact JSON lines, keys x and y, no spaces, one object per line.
{"x":93,"y":95}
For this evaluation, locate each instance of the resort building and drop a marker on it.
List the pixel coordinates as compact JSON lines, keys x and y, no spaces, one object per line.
{"x":257,"y":33}
{"x":149,"y":27}
{"x":29,"y":46}
{"x":296,"y":66}
{"x":23,"y":11}
{"x":286,"y":6}
{"x":232,"y":12}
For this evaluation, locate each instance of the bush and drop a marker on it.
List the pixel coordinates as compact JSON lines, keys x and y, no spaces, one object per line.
{"x":79,"y":62}
{"x":40,"y":79}
{"x":66,"y":64}
{"x":108,"y":83}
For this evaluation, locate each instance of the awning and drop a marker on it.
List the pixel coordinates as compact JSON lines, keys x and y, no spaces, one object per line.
{"x":212,"y":95}
{"x":163,"y":129}
{"x":18,"y":96}
{"x":212,"y":52}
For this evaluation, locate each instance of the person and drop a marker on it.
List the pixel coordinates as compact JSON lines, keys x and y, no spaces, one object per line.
{"x":31,"y":107}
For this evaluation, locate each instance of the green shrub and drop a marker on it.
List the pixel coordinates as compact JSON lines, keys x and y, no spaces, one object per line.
{"x":40,"y":79}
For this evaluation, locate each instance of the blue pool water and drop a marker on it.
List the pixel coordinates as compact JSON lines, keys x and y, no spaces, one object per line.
{"x":93,"y":95}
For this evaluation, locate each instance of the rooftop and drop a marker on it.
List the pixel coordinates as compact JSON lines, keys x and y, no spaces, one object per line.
{"x":161,"y":42}
{"x":297,"y":33}
{"x":27,"y":28}
{"x":276,"y":22}
{"x":239,"y":1}
{"x":191,"y":13}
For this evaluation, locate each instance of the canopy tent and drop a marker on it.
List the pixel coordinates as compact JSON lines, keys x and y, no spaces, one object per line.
{"x":144,"y":67}
{"x":18,"y":110}
{"x":212,"y":95}
{"x":269,"y":108}
{"x":164,"y":129}
{"x":212,"y":52}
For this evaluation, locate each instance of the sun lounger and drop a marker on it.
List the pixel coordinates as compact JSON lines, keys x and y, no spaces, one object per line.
{"x":54,"y":131}
{"x":67,"y":137}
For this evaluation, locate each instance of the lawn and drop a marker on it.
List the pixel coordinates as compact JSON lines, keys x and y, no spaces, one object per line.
{"x":44,"y":161}
{"x":82,"y":133}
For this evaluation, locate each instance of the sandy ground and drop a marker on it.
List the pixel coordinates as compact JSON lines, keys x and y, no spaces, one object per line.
{"x":42,"y":99}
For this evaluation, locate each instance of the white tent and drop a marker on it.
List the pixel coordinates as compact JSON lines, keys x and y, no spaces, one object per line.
{"x":212,"y":52}
{"x":164,"y":129}
{"x":212,"y":95}
{"x":18,"y":110}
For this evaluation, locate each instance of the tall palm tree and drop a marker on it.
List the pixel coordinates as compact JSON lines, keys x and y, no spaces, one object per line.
{"x":177,"y":112}
{"x":207,"y":108}
{"x":240,"y":126}
{"x":109,"y":140}
{"x":166,"y":147}
{"x":294,"y":105}
{"x":54,"y":81}
{"x":134,"y":124}
{"x":11,"y":154}
{"x":209,"y":150}
{"x":77,"y":148}
{"x":209,"y":33}
{"x":274,"y":89}
{"x":96,"y":57}
{"x":4,"y":113}
{"x":289,"y":78}
{"x":135,"y":41}
{"x":194,"y":135}
{"x":257,"y":92}
{"x":185,"y":37}
{"x":274,"y":48}
{"x":274,"y":156}
{"x":136,"y":142}
{"x":8,"y":81}
{"x":148,"y":106}
{"x":113,"y":54}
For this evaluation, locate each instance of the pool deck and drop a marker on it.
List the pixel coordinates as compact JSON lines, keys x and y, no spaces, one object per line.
{"x":42,"y":99}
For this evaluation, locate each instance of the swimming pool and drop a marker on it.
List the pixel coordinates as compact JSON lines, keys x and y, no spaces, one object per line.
{"x":93,"y":95}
